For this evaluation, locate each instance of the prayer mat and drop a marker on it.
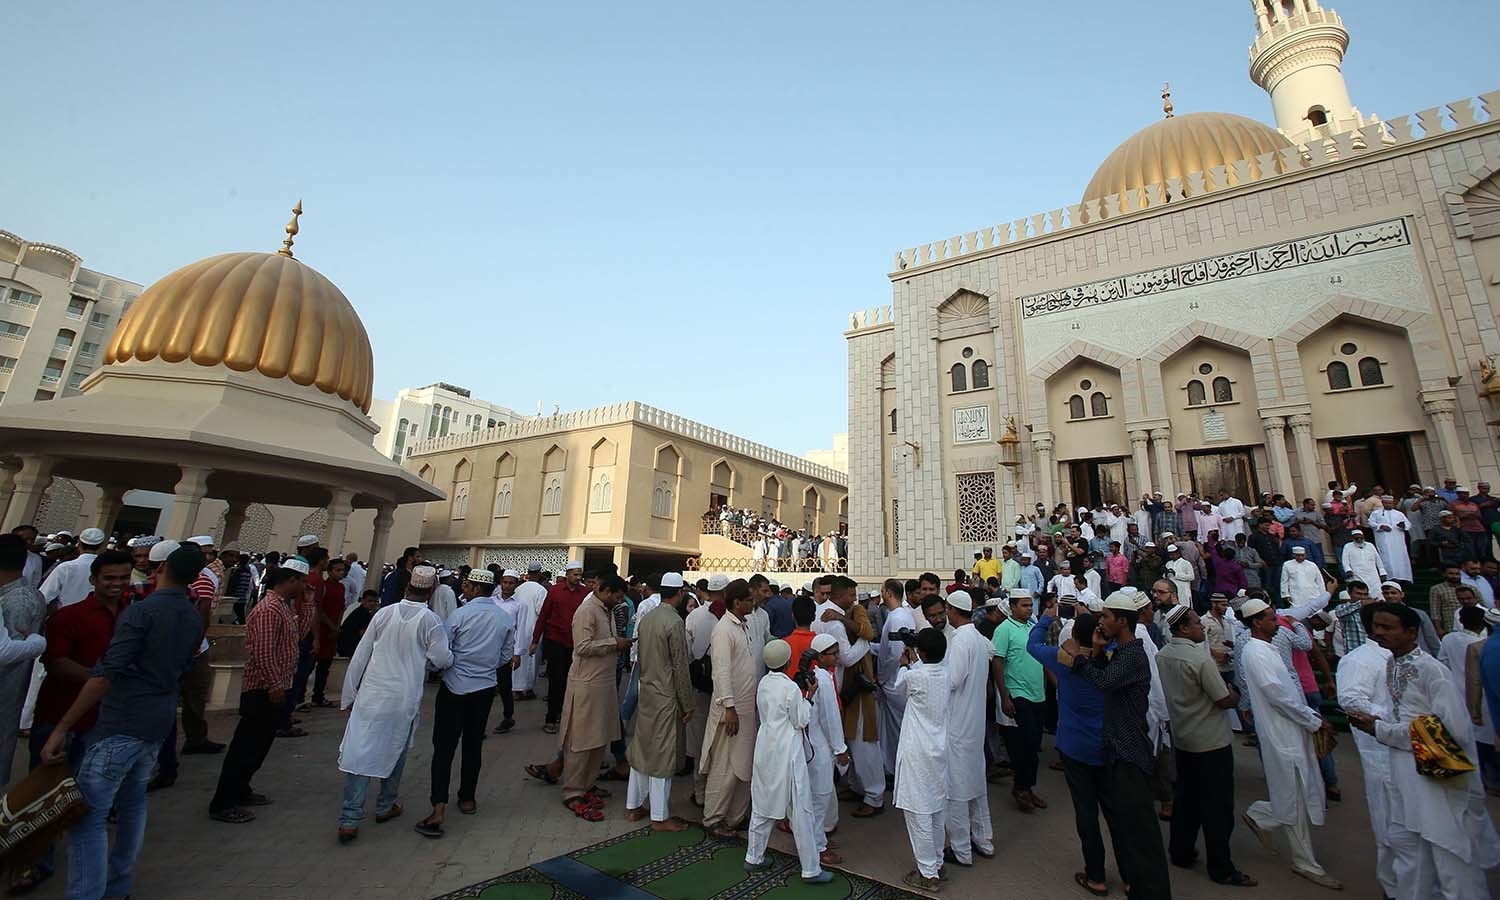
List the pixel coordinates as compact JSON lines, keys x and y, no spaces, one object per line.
{"x":684,"y":865}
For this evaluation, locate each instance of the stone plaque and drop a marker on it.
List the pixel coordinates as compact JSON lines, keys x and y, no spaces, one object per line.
{"x":1215,"y":427}
{"x":971,"y":424}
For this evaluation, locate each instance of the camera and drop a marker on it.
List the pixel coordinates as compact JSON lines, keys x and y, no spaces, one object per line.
{"x":907,"y":636}
{"x":804,"y":675}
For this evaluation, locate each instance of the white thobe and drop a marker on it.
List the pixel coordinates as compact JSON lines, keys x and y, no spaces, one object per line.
{"x":1362,"y":688}
{"x":869,"y":767}
{"x":1232,"y":512}
{"x":826,"y":735}
{"x":968,"y":820}
{"x":1391,"y":544}
{"x":32,"y":571}
{"x":1363,"y":561}
{"x":1119,"y":528}
{"x":887,"y":666}
{"x":444,"y":602}
{"x":1157,"y":714}
{"x":779,"y":784}
{"x":532,"y":595}
{"x":922,"y":761}
{"x":384,"y":685}
{"x":1180,"y":571}
{"x":1063,"y":586}
{"x":1142,"y":525}
{"x":758,"y":627}
{"x":68,"y":582}
{"x":1301,"y":581}
{"x":1453,"y":652}
{"x":1285,"y":725}
{"x":1440,"y":830}
{"x":354,"y":583}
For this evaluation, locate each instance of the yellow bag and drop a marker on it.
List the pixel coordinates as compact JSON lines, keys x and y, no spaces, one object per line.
{"x":1437,"y":754}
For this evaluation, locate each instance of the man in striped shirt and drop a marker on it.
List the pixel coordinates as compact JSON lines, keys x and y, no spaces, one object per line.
{"x":271,"y":635}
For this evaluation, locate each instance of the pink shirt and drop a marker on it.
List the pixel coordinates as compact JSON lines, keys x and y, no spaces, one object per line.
{"x":1118,"y":567}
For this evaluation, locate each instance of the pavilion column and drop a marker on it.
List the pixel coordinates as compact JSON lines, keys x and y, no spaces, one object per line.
{"x":1140,"y":461}
{"x":1161,"y":442}
{"x":1440,"y":412}
{"x":192,"y":488}
{"x":1041,"y":444}
{"x":1307,"y":454}
{"x":7,"y":487}
{"x":385,"y":517}
{"x":1281,"y":463}
{"x":339,"y":509}
{"x":622,"y":558}
{"x":29,"y":484}
{"x":234,"y":521}
{"x":111,"y":498}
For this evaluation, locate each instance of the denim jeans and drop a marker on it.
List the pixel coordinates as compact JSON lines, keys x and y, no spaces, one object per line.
{"x":113,"y":773}
{"x":356,"y":788}
{"x":40,"y":731}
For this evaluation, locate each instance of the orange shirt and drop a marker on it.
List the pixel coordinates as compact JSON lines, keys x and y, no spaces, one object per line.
{"x":800,"y":640}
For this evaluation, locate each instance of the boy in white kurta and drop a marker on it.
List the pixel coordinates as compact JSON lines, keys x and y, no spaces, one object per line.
{"x":826,"y":734}
{"x":921,"y":791}
{"x":779,"y":787}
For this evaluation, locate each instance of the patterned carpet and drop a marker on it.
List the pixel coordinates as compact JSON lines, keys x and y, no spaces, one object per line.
{"x":686,"y":865}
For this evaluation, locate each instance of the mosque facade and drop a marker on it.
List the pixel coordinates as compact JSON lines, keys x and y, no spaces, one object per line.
{"x":1230,"y":306}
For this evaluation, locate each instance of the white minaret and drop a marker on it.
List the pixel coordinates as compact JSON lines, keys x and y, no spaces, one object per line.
{"x":1298,"y":49}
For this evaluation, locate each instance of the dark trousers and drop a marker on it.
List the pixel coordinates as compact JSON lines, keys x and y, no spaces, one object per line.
{"x":1204,"y":798}
{"x":298,"y":693}
{"x":507,"y":696}
{"x":458,"y":718}
{"x":1136,"y":831}
{"x":253,"y":736}
{"x":1023,"y":743}
{"x":1088,"y":790}
{"x":559,"y":662}
{"x":195,"y":685}
{"x":320,"y":679}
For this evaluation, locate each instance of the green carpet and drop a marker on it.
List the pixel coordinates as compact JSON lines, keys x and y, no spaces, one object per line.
{"x":687,"y":865}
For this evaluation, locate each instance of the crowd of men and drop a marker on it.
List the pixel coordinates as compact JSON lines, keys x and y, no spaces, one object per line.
{"x":1142,"y":642}
{"x":776,"y":547}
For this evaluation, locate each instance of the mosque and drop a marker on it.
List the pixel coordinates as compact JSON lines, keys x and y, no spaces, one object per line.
{"x":1229,"y":306}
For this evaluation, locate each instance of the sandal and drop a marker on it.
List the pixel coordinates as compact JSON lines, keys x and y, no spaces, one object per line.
{"x":233,"y":815}
{"x":783,"y":827}
{"x":612,"y":775}
{"x":1082,"y":880}
{"x":468,"y":807}
{"x":584,"y":810}
{"x":293,"y":732}
{"x":601,"y":793}
{"x":549,"y":728}
{"x":428,"y":828}
{"x":541,"y":774}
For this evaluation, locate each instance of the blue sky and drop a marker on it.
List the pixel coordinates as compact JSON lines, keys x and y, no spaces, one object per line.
{"x":578,"y":204}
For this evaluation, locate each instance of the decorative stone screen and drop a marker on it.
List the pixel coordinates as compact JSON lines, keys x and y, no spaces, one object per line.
{"x":978,"y":520}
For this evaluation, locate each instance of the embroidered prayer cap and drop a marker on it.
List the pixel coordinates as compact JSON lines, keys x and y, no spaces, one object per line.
{"x":481,"y":576}
{"x":1173,"y":615}
{"x":1120,"y":601}
{"x":307,"y":540}
{"x":424,"y":578}
{"x":511,"y":573}
{"x":717,"y":583}
{"x":296,"y":564}
{"x":1299,"y":551}
{"x":777,"y":654}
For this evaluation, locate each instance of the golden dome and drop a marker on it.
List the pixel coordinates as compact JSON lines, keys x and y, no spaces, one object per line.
{"x":263,"y":311}
{"x":1176,"y":147}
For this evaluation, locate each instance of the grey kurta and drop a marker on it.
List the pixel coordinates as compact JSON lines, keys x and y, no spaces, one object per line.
{"x":665,"y":692}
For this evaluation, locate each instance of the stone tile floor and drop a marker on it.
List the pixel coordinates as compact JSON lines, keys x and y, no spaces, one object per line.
{"x":290,"y":852}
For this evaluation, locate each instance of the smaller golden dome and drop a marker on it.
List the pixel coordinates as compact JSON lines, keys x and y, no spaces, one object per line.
{"x":1178,"y":146}
{"x":263,"y":311}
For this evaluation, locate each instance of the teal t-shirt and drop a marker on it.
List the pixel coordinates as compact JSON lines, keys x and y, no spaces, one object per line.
{"x":1023,"y":674}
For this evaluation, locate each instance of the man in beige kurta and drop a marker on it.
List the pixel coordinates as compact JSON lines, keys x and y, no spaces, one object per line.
{"x":591,"y":706}
{"x":729,"y":739}
{"x":665,"y":705}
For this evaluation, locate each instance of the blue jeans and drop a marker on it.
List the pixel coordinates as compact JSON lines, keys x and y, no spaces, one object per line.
{"x":76,"y":745}
{"x":113,"y":773}
{"x":356,"y":788}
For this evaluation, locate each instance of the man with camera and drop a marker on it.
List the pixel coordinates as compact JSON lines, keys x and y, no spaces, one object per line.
{"x":898,"y":633}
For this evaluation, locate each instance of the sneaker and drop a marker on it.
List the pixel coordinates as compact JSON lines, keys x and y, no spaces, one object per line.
{"x":505,"y":725}
{"x":823,"y":877}
{"x":917,"y":880}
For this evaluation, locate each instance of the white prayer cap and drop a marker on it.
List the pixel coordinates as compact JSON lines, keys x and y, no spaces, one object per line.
{"x":674,"y":580}
{"x":1172,"y":548}
{"x":1171,"y":616}
{"x":202,"y":540}
{"x":1492,"y":615}
{"x":130,"y":544}
{"x":63,"y":534}
{"x":307,"y":540}
{"x":481,"y":576}
{"x":1299,"y":551}
{"x":296,"y":564}
{"x":533,"y":567}
{"x":773,"y":585}
{"x":424,"y":578}
{"x":961,"y":600}
{"x":823,"y":642}
{"x":995,"y":602}
{"x":1343,"y":595}
{"x":160,"y":550}
{"x":53,"y":546}
{"x":777,"y":654}
{"x":445,"y":573}
{"x":1028,"y":555}
{"x":1392,"y":584}
{"x":1083,"y":509}
{"x":91,"y":537}
{"x":1253,"y":607}
{"x":572,"y":564}
{"x":807,"y":586}
{"x":1151,"y":544}
{"x":716,"y":582}
{"x":1019,"y":594}
{"x":511,"y":573}
{"x":1120,"y":600}
{"x":1461,"y":487}
{"x":1141,"y":600}
{"x":1167,"y":534}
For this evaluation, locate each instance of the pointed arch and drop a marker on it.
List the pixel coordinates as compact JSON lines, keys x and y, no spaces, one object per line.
{"x":667,"y":458}
{"x":555,"y":459}
{"x":505,"y":466}
{"x":603,"y":452}
{"x":461,"y":469}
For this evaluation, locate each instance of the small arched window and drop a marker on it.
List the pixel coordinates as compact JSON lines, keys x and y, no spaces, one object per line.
{"x":1196,"y":394}
{"x":1317,"y":116}
{"x":893,"y":421}
{"x":1338,"y":376}
{"x":981,"y":374}
{"x":1098,"y":405}
{"x":1223,"y":390}
{"x":1369,"y":371}
{"x":1075,"y":407}
{"x":960,"y":377}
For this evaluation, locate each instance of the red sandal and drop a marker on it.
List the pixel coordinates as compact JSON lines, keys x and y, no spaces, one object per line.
{"x":584,"y":810}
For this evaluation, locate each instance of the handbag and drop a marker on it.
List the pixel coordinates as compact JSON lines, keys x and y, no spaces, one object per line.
{"x":701,"y":674}
{"x":1436,"y":753}
{"x":35,"y":812}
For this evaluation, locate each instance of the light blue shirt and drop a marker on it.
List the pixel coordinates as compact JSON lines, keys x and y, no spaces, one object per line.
{"x":1482,"y":589}
{"x":480,"y":634}
{"x":1031,"y":580}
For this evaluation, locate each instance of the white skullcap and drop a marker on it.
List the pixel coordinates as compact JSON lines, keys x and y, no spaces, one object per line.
{"x":1172,"y":548}
{"x":1018,"y":594}
{"x":423,"y":578}
{"x":160,"y":550}
{"x":1253,"y":607}
{"x":1141,"y":600}
{"x":777,"y":654}
{"x":995,"y":602}
{"x":202,"y":540}
{"x":533,"y":567}
{"x":718,"y":582}
{"x":672,"y":580}
{"x":511,"y":573}
{"x":1343,"y":595}
{"x":53,"y":546}
{"x":1492,"y":615}
{"x":130,"y":544}
{"x":445,"y":573}
{"x":1392,"y":584}
{"x":480,"y":576}
{"x":961,"y":600}
{"x":1151,"y":544}
{"x":823,"y":642}
{"x":572,"y":564}
{"x":307,"y":540}
{"x":91,"y":537}
{"x":1120,"y":600}
{"x":1299,"y":551}
{"x":296,"y":564}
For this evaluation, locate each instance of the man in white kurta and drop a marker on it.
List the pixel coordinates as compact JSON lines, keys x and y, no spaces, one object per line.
{"x":826,"y":735}
{"x":969,"y":655}
{"x":922,"y":758}
{"x":1285,"y":725}
{"x":780,"y":787}
{"x":1362,"y":689}
{"x":1301,"y":579}
{"x":1361,"y":561}
{"x":1391,"y":526}
{"x":1180,"y":572}
{"x":1441,"y":833}
{"x":888,"y":665}
{"x":532,"y":594}
{"x":1232,"y":513}
{"x":384,"y":686}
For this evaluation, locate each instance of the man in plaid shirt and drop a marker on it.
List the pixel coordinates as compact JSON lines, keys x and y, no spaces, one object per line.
{"x":272,"y":631}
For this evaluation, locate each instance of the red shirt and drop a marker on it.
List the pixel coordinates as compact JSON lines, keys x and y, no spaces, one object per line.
{"x":555,"y":621}
{"x":270,"y":645}
{"x":799,"y":640}
{"x":332,"y":607}
{"x":81,"y":632}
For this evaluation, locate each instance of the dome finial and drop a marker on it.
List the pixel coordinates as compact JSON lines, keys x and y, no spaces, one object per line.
{"x":291,"y":230}
{"x":1166,"y":99}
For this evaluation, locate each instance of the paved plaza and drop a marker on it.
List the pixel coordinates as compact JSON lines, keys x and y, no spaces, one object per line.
{"x":291,"y":853}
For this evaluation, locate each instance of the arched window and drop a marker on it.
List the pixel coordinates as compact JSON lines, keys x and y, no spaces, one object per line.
{"x":1223,"y":390}
{"x":1075,"y":407}
{"x":552,"y":497}
{"x":502,"y":502}
{"x":893,"y":421}
{"x":400,"y":443}
{"x":432,"y":424}
{"x":981,"y":374}
{"x":1369,"y":371}
{"x":960,"y":377}
{"x":1338,"y":376}
{"x":1196,"y":395}
{"x":447,"y":420}
{"x":1317,"y":116}
{"x":1099,"y":404}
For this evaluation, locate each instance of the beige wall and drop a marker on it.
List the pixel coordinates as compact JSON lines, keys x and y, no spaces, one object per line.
{"x":1391,"y":407}
{"x":1241,"y":415}
{"x":1092,"y":436}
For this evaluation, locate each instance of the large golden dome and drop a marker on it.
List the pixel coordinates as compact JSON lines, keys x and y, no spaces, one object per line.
{"x":1178,"y":146}
{"x":263,"y":311}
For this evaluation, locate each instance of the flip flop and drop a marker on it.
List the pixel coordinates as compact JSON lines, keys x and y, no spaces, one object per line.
{"x":428,"y":828}
{"x":1082,"y":880}
{"x":468,"y":807}
{"x":540,"y":773}
{"x":584,"y":810}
